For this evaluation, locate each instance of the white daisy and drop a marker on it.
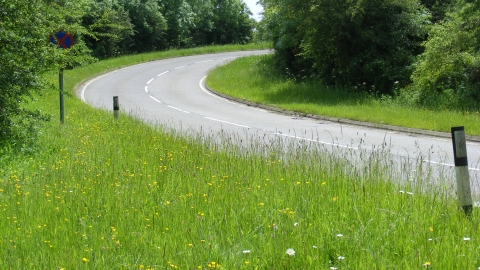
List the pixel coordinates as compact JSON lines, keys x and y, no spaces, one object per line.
{"x":290,"y":252}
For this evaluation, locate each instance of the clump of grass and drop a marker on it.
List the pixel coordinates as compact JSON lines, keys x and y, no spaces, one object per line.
{"x":254,"y":79}
{"x":101,"y":193}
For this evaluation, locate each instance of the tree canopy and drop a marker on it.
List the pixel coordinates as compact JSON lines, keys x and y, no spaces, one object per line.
{"x":25,"y":54}
{"x":348,"y":42}
{"x":427,"y":48}
{"x":101,"y":29}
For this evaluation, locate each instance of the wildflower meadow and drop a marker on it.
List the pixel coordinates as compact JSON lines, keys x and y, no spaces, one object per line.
{"x":100,"y":193}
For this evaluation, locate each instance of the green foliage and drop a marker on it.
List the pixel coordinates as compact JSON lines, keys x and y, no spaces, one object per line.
{"x":106,"y":194}
{"x":110,"y":28}
{"x":349,"y":42}
{"x":121,"y":27}
{"x":25,"y":54}
{"x":448,"y":72}
{"x":438,"y":8}
{"x":253,"y":79}
{"x":180,"y":20}
{"x":149,"y":24}
{"x":232,"y":22}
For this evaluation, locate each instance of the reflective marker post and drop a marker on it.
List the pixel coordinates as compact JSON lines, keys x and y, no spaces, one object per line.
{"x":461,"y":169}
{"x":116,"y":107}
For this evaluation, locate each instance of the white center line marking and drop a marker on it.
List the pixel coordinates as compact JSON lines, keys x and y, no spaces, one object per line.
{"x":177,"y":109}
{"x":146,"y":89}
{"x":151,"y":80}
{"x":162,"y":73}
{"x":179,"y":67}
{"x":230,"y":123}
{"x":155,"y":99}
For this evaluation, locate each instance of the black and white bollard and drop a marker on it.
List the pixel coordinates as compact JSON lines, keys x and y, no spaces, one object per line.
{"x":116,"y":107}
{"x":461,"y":169}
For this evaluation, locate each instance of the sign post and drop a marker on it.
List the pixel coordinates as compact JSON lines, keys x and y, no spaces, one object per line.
{"x":64,"y":41}
{"x":62,"y":103}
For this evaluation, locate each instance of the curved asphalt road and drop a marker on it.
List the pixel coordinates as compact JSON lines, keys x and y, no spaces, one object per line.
{"x":172,"y":92}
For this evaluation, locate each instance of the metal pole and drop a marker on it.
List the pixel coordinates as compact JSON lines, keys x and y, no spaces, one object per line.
{"x":116,"y":107}
{"x":461,"y":169}
{"x":62,"y":104}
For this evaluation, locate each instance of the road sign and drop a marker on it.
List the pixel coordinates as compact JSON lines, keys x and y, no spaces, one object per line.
{"x":64,"y":40}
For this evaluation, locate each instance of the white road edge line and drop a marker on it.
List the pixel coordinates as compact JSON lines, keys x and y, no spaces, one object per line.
{"x":230,"y":123}
{"x":450,"y":165}
{"x":224,"y":99}
{"x":155,"y":99}
{"x":177,"y":109}
{"x":205,"y":90}
{"x":162,"y":73}
{"x":84,"y":88}
{"x":204,"y":62}
{"x":316,"y":141}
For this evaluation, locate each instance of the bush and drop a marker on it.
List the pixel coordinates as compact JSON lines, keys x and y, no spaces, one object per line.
{"x":448,"y":72}
{"x":349,"y":42}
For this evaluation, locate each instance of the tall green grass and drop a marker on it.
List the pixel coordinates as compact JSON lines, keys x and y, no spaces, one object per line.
{"x":254,"y":79}
{"x":106,"y":194}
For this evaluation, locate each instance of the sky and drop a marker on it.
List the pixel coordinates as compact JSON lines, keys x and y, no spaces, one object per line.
{"x":254,"y":8}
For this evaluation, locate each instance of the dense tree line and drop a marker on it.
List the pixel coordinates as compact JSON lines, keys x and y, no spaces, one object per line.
{"x":132,"y":26}
{"x":428,"y":48}
{"x":102,"y":29}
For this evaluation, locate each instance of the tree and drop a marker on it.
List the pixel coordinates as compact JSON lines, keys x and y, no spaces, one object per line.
{"x":180,"y":20}
{"x":149,"y":24}
{"x":25,"y":54}
{"x":110,"y":27}
{"x":348,"y":42}
{"x":232,"y":22}
{"x":448,"y":72}
{"x":203,"y":22}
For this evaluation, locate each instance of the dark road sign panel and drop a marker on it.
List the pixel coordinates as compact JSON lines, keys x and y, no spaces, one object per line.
{"x":63,"y":40}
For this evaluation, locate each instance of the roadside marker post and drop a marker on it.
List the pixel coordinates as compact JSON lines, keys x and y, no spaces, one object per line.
{"x":116,"y":107}
{"x":461,"y":169}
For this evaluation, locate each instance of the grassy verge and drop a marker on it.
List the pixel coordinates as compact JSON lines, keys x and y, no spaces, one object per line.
{"x":105,"y":194}
{"x":253,"y":79}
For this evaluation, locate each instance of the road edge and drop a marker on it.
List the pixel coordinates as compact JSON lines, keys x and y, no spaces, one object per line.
{"x":340,"y":120}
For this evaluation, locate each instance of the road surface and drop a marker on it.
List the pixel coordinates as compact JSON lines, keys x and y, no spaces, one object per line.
{"x":171,"y":92}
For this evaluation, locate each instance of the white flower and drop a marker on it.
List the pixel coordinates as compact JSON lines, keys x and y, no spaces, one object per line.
{"x":246,"y":251}
{"x":466,"y":238}
{"x":315,"y":247}
{"x":290,"y":252}
{"x":339,"y":235}
{"x":333,"y":268}
{"x":295,"y":224}
{"x":341,"y":258}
